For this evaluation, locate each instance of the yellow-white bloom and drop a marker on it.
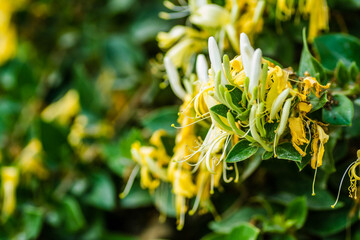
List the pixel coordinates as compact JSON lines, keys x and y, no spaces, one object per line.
{"x":9,"y":182}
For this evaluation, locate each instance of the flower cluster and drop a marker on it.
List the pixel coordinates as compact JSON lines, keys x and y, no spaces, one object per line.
{"x":249,"y":102}
{"x":226,"y":23}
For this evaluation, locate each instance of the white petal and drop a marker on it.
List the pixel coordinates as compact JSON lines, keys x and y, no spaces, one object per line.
{"x":215,"y":58}
{"x":202,"y":68}
{"x":255,"y":70}
{"x":174,"y":78}
{"x":246,"y":52}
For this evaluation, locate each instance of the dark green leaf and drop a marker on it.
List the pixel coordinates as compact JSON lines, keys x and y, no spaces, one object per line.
{"x":296,"y":211}
{"x":340,"y":113}
{"x":329,"y":222}
{"x":33,"y":221}
{"x":267,"y":155}
{"x":243,"y":215}
{"x":354,"y":71}
{"x":309,"y":64}
{"x":102,"y":195}
{"x":335,"y":47}
{"x":236,"y":94}
{"x":74,"y":218}
{"x":317,"y":103}
{"x":241,"y":151}
{"x":244,"y":231}
{"x":220,"y":109}
{"x":288,"y":152}
{"x":342,"y":74}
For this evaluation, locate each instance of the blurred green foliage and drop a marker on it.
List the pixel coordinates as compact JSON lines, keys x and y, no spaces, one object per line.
{"x":106,"y":51}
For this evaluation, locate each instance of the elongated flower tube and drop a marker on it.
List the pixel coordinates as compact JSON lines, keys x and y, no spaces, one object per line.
{"x":255,"y":70}
{"x":174,"y":78}
{"x":202,"y":68}
{"x":215,"y":59}
{"x":277,"y":104}
{"x":246,"y":52}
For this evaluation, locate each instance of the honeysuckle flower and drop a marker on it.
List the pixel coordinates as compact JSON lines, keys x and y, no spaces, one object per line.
{"x":150,"y":171}
{"x":63,"y":110}
{"x":318,"y":12}
{"x":354,"y":178}
{"x":298,"y":135}
{"x":9,"y":182}
{"x":210,"y":15}
{"x":30,"y":160}
{"x":317,"y":145}
{"x":312,"y":85}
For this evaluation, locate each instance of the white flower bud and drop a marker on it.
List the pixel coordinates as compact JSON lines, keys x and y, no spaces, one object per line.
{"x":215,"y":59}
{"x":255,"y":70}
{"x":202,"y":68}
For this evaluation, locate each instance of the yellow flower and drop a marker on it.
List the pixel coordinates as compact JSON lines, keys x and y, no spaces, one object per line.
{"x":151,"y":172}
{"x":210,"y":16}
{"x":319,"y":16}
{"x":298,"y":134}
{"x":160,"y":153}
{"x":64,"y":109}
{"x":277,"y":81}
{"x":30,"y":159}
{"x":9,"y":182}
{"x":311,"y":84}
{"x":284,"y":9}
{"x":317,"y":146}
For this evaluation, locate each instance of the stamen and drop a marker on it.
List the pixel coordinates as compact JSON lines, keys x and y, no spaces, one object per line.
{"x":130,"y":182}
{"x":340,"y":185}
{"x":198,"y":197}
{"x":224,"y":173}
{"x":173,"y":125}
{"x":316,"y":163}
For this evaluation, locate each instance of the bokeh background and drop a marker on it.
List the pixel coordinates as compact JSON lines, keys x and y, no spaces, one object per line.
{"x":79,"y":82}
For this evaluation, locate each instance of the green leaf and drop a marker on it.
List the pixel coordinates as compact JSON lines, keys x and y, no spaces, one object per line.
{"x":213,"y":236}
{"x":267,"y":155}
{"x":241,"y":151}
{"x":162,"y":119}
{"x":243,"y":215}
{"x":340,"y":113}
{"x":334,"y":47}
{"x":244,"y":231}
{"x":236,"y":94}
{"x":327,"y":223}
{"x":304,"y":161}
{"x":317,"y":103}
{"x":342,"y":74}
{"x":102,"y":194}
{"x":74,"y":218}
{"x":309,"y":64}
{"x":354,"y":71}
{"x":296,"y":211}
{"x":220,"y":109}
{"x":288,"y":152}
{"x":33,"y":217}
